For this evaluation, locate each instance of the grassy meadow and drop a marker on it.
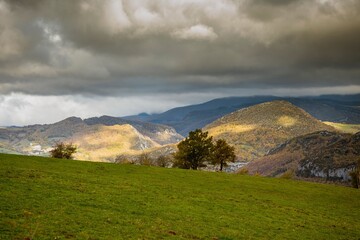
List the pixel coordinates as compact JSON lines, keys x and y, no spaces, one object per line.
{"x":44,"y":198}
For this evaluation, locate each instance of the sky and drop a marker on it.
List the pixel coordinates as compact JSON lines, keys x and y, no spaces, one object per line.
{"x":122,"y":57}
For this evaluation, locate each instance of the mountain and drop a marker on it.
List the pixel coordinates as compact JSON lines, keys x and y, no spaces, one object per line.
{"x":255,"y":130}
{"x":159,"y":133}
{"x":188,"y":118}
{"x":98,"y":139}
{"x":332,"y":108}
{"x":328,"y":155}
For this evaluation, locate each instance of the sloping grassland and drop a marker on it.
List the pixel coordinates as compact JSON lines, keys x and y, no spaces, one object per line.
{"x":44,"y":198}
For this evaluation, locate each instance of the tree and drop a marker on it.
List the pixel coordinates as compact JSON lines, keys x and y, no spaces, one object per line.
{"x":223,"y":153}
{"x":194,"y":150}
{"x":62,"y":150}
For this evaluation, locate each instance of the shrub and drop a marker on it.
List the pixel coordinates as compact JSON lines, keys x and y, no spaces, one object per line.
{"x":162,"y":161}
{"x":122,"y":159}
{"x":63,"y":150}
{"x":243,"y":171}
{"x":355,"y":176}
{"x":289,"y":174}
{"x":145,"y":159}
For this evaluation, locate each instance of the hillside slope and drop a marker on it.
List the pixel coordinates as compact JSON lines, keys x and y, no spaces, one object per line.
{"x":326,"y":155}
{"x":253,"y":131}
{"x":345,"y":127}
{"x":44,"y":198}
{"x":333,"y":108}
{"x":99,"y":139}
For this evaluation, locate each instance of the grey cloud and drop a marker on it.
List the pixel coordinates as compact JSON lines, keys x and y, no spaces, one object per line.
{"x":125,"y":47}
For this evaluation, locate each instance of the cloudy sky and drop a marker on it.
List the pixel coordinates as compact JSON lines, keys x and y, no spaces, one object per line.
{"x":121,"y":57}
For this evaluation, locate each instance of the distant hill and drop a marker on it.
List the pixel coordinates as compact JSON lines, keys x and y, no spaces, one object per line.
{"x":332,"y":108}
{"x":99,"y":139}
{"x":327,"y":155}
{"x":255,"y":130}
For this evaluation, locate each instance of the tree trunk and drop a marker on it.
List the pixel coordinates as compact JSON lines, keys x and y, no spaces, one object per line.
{"x":221,"y":166}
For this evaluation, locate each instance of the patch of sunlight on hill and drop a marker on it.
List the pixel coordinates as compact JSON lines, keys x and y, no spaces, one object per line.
{"x":104,"y":143}
{"x":287,"y":121}
{"x":233,"y":128}
{"x":344,"y":127}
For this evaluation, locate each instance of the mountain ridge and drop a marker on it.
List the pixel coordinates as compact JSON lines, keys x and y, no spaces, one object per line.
{"x":38,"y":139}
{"x":332,"y":108}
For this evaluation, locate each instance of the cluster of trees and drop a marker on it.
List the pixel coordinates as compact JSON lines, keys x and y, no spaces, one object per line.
{"x":193,"y":152}
{"x":199,"y":148}
{"x":145,"y":159}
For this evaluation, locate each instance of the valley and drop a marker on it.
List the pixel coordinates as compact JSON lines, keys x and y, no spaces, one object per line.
{"x":257,"y":132}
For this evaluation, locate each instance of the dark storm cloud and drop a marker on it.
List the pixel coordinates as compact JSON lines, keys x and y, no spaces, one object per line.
{"x":135,"y":47}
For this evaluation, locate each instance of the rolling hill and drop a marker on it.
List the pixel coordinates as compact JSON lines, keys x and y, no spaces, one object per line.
{"x":255,"y":130}
{"x":332,"y":108}
{"x":44,"y":198}
{"x":326,"y":155}
{"x":98,"y":139}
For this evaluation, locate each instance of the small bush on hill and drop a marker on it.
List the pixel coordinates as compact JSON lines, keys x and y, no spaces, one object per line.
{"x":145,"y":159}
{"x":289,"y":174}
{"x":63,"y":150}
{"x":163,"y":161}
{"x":355,"y":176}
{"x":122,"y":159}
{"x":243,"y":171}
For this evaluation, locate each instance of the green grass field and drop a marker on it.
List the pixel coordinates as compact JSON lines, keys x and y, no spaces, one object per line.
{"x":43,"y":198}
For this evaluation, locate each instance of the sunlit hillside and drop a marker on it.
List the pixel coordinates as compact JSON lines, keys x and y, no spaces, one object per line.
{"x":255,"y":130}
{"x":345,"y":127}
{"x":104,"y":143}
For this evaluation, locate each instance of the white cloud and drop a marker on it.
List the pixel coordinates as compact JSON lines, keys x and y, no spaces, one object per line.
{"x":22,"y":109}
{"x":198,"y":32}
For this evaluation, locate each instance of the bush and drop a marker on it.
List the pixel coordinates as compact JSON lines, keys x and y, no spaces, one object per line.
{"x":289,"y":174}
{"x":355,"y":176}
{"x":122,"y":159}
{"x":162,"y":161}
{"x":62,"y":150}
{"x":243,"y":171}
{"x":145,"y":159}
